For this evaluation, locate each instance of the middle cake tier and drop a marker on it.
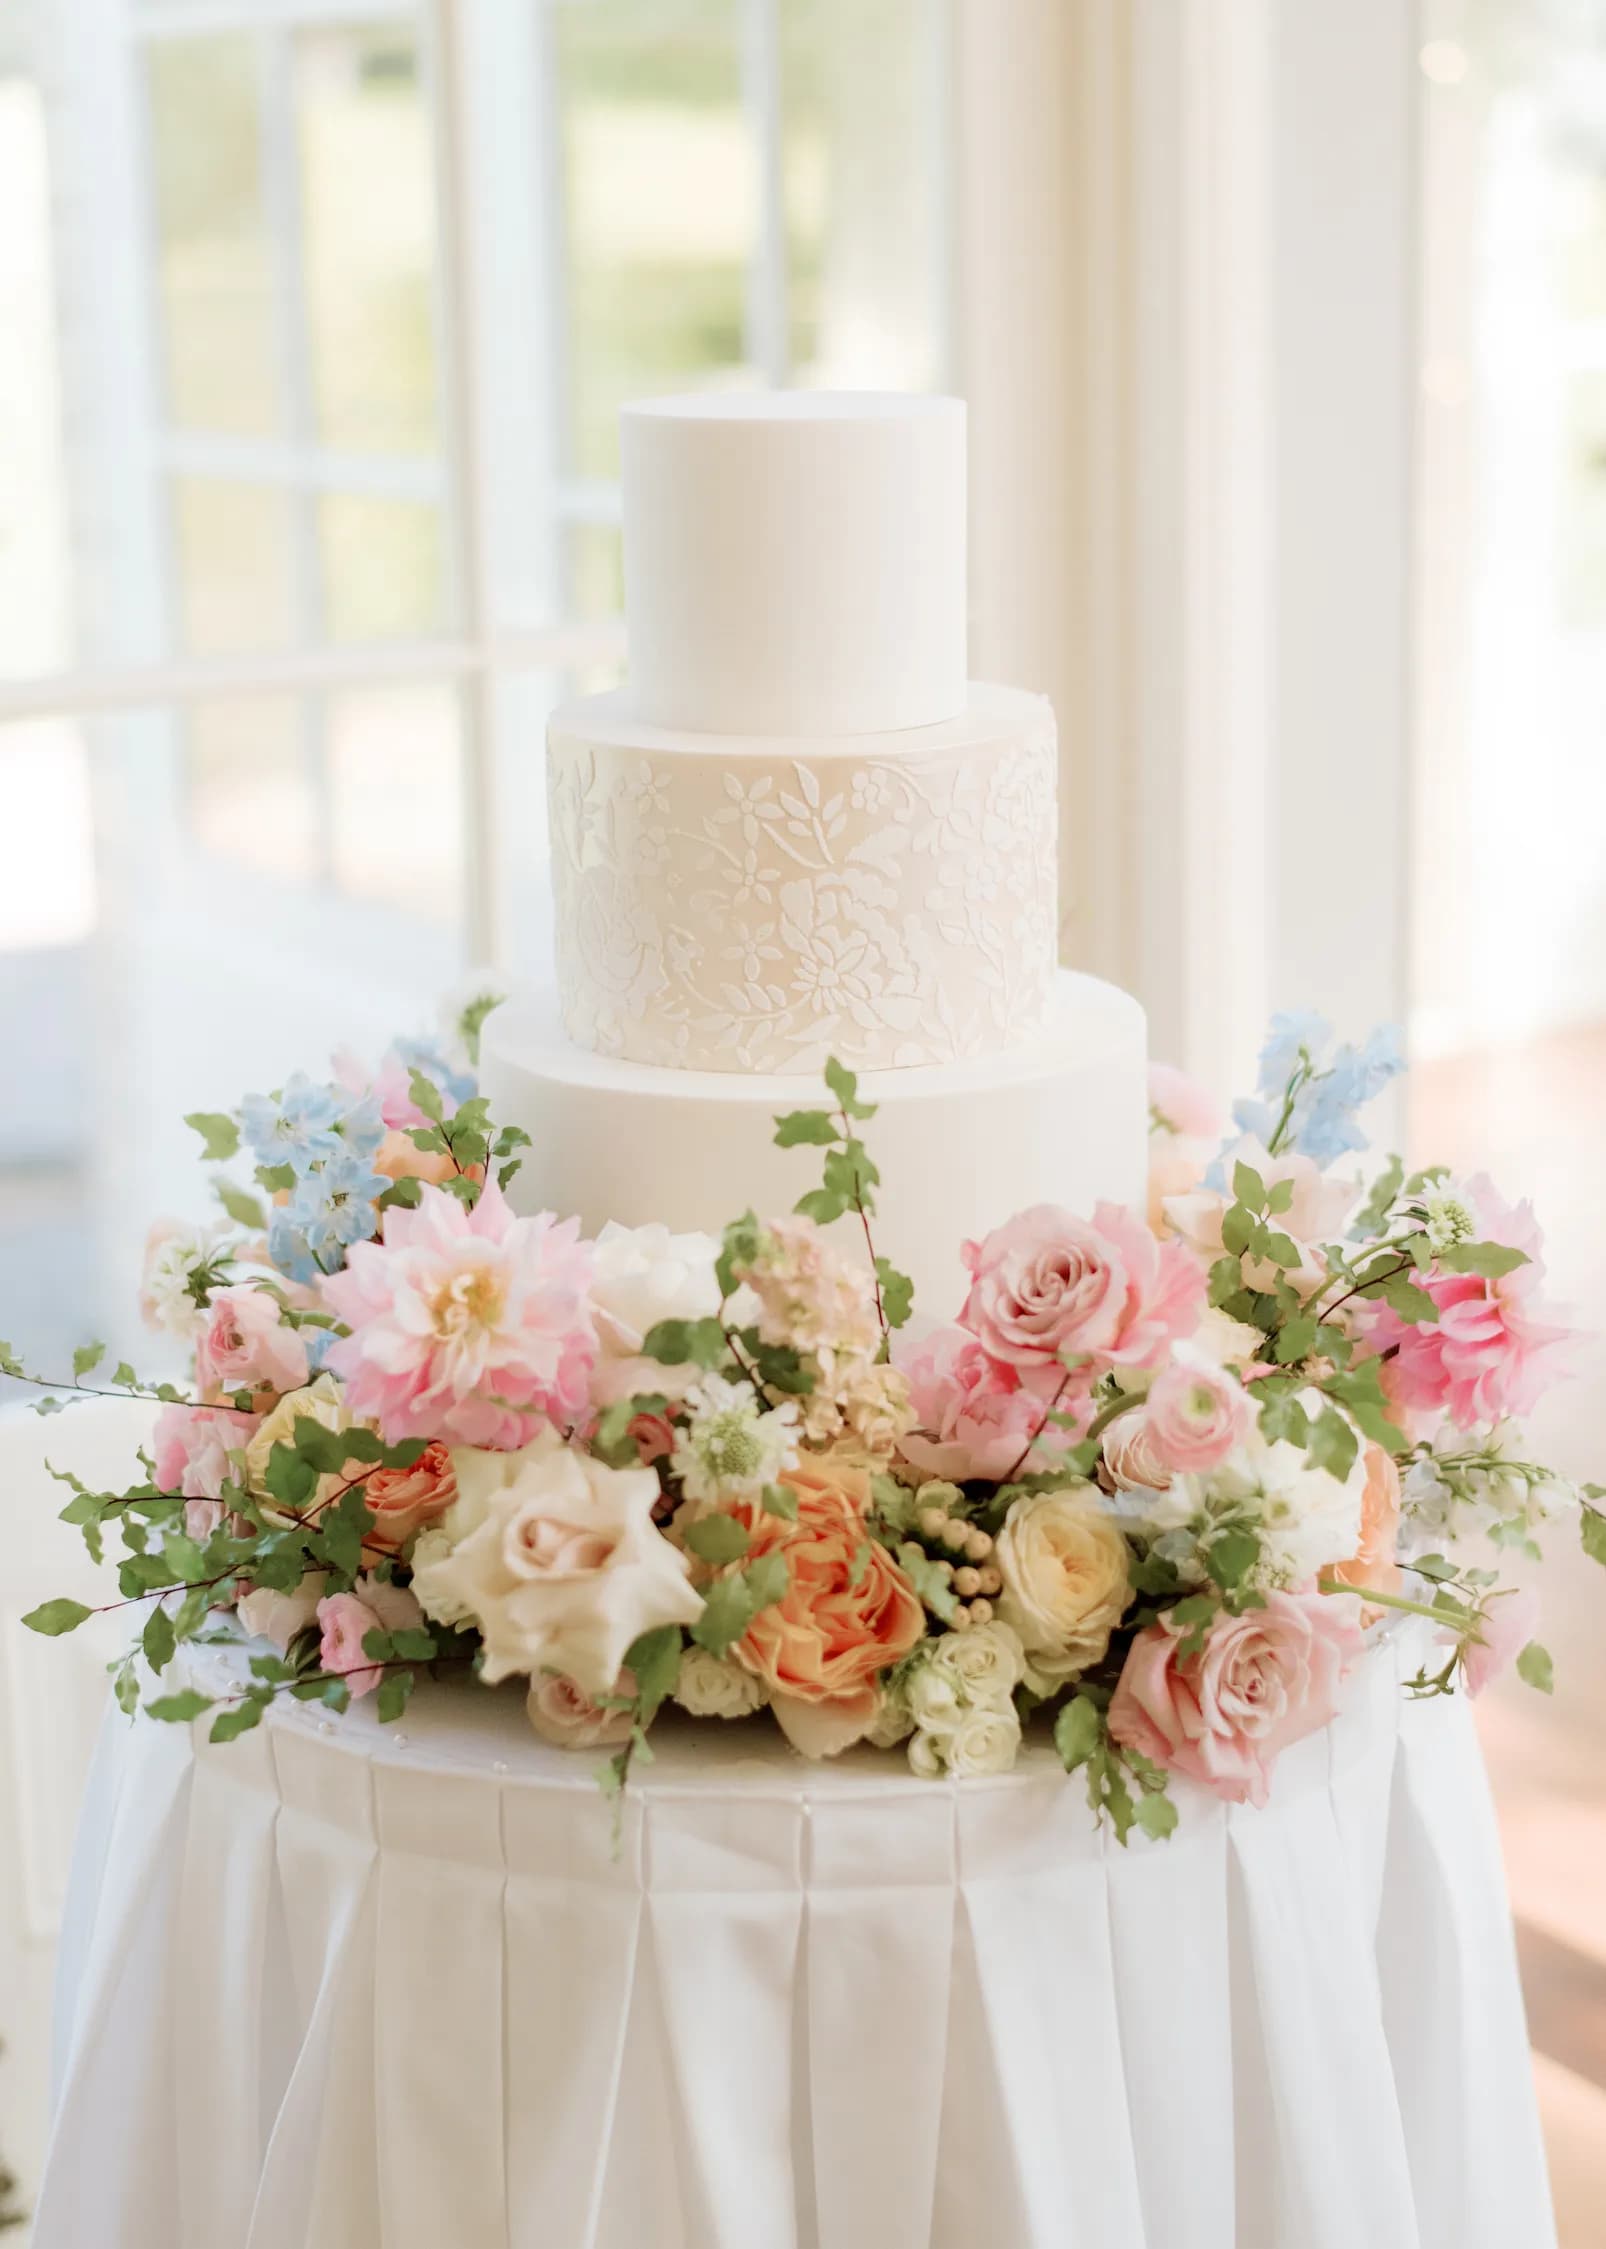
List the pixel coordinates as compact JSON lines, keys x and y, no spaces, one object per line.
{"x":735,"y":905}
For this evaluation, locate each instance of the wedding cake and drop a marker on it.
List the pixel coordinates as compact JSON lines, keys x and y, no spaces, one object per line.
{"x":800,"y":831}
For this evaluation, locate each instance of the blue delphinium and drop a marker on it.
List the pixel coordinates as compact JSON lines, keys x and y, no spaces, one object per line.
{"x":1327,"y":1128}
{"x":361,"y":1127}
{"x":335,"y":1206}
{"x":1309,"y":1104}
{"x":298,"y":1127}
{"x":430,"y":1056}
{"x":289,"y":1249}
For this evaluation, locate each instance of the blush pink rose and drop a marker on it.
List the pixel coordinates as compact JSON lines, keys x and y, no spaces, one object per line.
{"x":1494,"y":1347}
{"x":977,"y":1415}
{"x":562,"y":1713}
{"x":1129,"y":1461}
{"x":404,"y":1501}
{"x":247,"y":1344}
{"x":190,"y":1447}
{"x":1261,"y":1682}
{"x":1193,"y":1416}
{"x":345,"y":1618}
{"x":1046,"y":1285}
{"x":1509,"y":1623}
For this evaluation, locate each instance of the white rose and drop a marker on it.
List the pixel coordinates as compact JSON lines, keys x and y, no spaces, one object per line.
{"x":710,"y":1687}
{"x":1221,"y":1341}
{"x":565,"y":1566}
{"x":278,"y":1617}
{"x":986,"y":1664}
{"x":645,"y":1274}
{"x":932,"y":1699}
{"x":891,"y":1723}
{"x":986,"y":1740}
{"x":925,"y":1755}
{"x":1064,"y":1562}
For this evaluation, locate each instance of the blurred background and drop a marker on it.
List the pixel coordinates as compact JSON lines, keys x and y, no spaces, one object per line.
{"x":314,"y":321}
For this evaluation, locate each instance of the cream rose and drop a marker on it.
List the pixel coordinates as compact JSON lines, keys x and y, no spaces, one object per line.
{"x":986,"y":1740}
{"x":323,"y":1402}
{"x":709,"y":1686}
{"x":986,"y":1664}
{"x":645,"y":1274}
{"x":1064,"y":1564}
{"x":266,"y":1615}
{"x":565,"y":1715}
{"x":565,"y":1567}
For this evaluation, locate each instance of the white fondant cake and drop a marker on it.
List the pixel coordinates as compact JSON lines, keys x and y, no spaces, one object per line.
{"x":796,"y":833}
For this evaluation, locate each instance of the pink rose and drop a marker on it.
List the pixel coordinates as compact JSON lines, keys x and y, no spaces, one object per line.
{"x":403,"y":1501}
{"x":1493,"y":1348}
{"x":1194,"y":1415}
{"x":1046,"y":1285}
{"x":1509,"y":1623}
{"x":344,"y":1619}
{"x":1181,"y":1106}
{"x":248,"y":1345}
{"x":190,"y":1447}
{"x":977,"y":1416}
{"x":1130,"y":1460}
{"x":1261,"y":1681}
{"x":564,"y":1714}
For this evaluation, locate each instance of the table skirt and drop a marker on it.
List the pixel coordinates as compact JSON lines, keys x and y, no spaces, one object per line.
{"x":339,"y":1987}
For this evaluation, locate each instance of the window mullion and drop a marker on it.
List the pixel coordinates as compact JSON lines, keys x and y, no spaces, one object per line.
{"x":768,"y":343}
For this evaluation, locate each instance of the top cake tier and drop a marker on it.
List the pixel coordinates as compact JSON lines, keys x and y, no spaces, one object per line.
{"x":795,"y":562}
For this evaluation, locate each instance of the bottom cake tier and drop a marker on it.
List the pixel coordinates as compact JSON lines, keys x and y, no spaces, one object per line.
{"x":960,"y":1146}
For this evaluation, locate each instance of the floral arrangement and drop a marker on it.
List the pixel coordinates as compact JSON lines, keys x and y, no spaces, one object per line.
{"x":1155,"y":1478}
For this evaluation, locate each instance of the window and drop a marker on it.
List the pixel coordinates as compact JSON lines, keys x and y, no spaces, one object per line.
{"x":309,"y":508}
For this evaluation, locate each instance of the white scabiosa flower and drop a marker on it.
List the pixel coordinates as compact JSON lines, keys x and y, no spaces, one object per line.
{"x":710,"y":1686}
{"x":1450,"y":1220}
{"x":732,"y":1445}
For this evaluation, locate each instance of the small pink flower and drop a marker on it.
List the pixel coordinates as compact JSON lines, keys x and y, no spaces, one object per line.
{"x":1509,"y":1623}
{"x":344,"y":1619}
{"x":404,"y":1501}
{"x":1262,"y":1681}
{"x":190,"y":1447}
{"x":1180,"y":1105}
{"x":470,"y":1326}
{"x":1493,"y":1348}
{"x":1046,"y":1285}
{"x":563,"y":1713}
{"x":977,"y":1416}
{"x":247,"y":1344}
{"x":1194,"y":1415}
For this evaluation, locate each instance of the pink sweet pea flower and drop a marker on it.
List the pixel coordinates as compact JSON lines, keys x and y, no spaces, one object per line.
{"x":247,"y":1344}
{"x":1262,"y":1681}
{"x":1045,"y":1285}
{"x":1492,"y":1350}
{"x":1194,"y":1415}
{"x":977,"y":1416}
{"x":470,"y":1326}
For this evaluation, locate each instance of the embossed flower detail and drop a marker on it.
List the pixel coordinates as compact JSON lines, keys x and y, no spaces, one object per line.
{"x":870,"y":790}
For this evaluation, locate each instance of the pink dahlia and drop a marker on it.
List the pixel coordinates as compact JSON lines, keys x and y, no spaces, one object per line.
{"x":1046,"y":1286}
{"x":472,"y":1326}
{"x":1492,"y":1348}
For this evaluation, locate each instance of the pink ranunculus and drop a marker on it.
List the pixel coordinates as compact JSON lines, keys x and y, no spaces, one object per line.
{"x":344,"y":1618}
{"x":1194,"y":1415}
{"x":562,"y":1713}
{"x":404,"y":1501}
{"x":1493,"y":1347}
{"x":190,"y":1447}
{"x":1181,"y":1106}
{"x":472,"y":1326}
{"x":247,"y":1344}
{"x":977,"y":1415}
{"x":1509,"y":1623}
{"x":1262,"y":1681}
{"x":1045,"y":1285}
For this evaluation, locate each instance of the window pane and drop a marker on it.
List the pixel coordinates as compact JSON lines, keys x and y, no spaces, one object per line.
{"x":367,"y":190}
{"x":661,"y":205}
{"x":396,"y":799}
{"x":34,"y":627}
{"x":235,"y":565}
{"x":861,"y":161}
{"x":383,"y":568}
{"x":251,"y":789}
{"x":596,"y":577}
{"x":213,"y":262}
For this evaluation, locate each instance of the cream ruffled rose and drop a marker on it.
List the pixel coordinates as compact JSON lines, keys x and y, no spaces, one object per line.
{"x":562,"y":1567}
{"x":710,"y":1686}
{"x":1065,"y":1569}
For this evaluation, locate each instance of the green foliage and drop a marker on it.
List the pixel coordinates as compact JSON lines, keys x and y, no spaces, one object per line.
{"x":1592,"y":1531}
{"x":1231,"y":1556}
{"x":731,"y":1603}
{"x":929,"y":1580}
{"x":238,"y":1718}
{"x":1078,"y":1731}
{"x":654,"y":1661}
{"x":717,"y":1539}
{"x":897,"y":1292}
{"x":611,"y":1440}
{"x":822,"y":1204}
{"x":1534,"y":1668}
{"x":220,"y":1135}
{"x":53,"y":1618}
{"x":395,"y":1692}
{"x":1490,"y":1260}
{"x":157,"y":1640}
{"x":680,"y":1343}
{"x":777,"y":1499}
{"x":845,"y":1086}
{"x":1082,"y":1737}
{"x":179,"y":1709}
{"x":244,"y":1209}
{"x":1373,"y":1216}
{"x":807,"y":1128}
{"x":737,"y":1251}
{"x":86,"y":1358}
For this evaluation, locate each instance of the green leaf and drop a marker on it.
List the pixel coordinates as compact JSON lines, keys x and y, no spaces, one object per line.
{"x":679,"y":1343}
{"x":717,"y":1539}
{"x":845,"y":1086}
{"x":157,"y":1639}
{"x":401,"y":1194}
{"x":1405,"y":1299}
{"x":275,"y":1179}
{"x":654,"y":1660}
{"x":343,"y":1529}
{"x":737,"y":1251}
{"x":1332,"y":1444}
{"x":929,"y":1580}
{"x":897,"y":1292}
{"x":1248,"y":1187}
{"x":1280,"y":1199}
{"x":1296,"y":1339}
{"x":1282,"y":1250}
{"x":87,"y":1357}
{"x":183,"y":1557}
{"x":1282,"y":1418}
{"x":53,"y":1618}
{"x":1078,"y":1731}
{"x":1237,"y":1230}
{"x":731,"y":1603}
{"x":426,"y":1096}
{"x":820,"y":1204}
{"x":220,"y":1135}
{"x":179,"y":1709}
{"x":1488,"y":1259}
{"x":238,"y":1718}
{"x":611,"y":1440}
{"x":1534,"y":1668}
{"x":289,"y":1479}
{"x":1592,"y":1531}
{"x":777,"y":1499}
{"x":396,"y":1687}
{"x":1231,"y":1556}
{"x":811,"y":1128}
{"x":1385,"y":1192}
{"x":244,"y":1209}
{"x":1156,"y":1815}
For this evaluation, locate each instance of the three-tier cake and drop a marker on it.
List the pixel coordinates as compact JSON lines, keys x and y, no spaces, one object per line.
{"x":800,"y":831}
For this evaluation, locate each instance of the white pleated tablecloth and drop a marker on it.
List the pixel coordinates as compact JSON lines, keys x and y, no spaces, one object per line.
{"x":344,"y":1987}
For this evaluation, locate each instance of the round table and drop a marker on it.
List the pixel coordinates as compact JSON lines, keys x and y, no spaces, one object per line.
{"x":334,"y":1986}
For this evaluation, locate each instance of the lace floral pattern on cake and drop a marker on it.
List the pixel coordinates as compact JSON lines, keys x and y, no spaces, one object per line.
{"x":757,"y":913}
